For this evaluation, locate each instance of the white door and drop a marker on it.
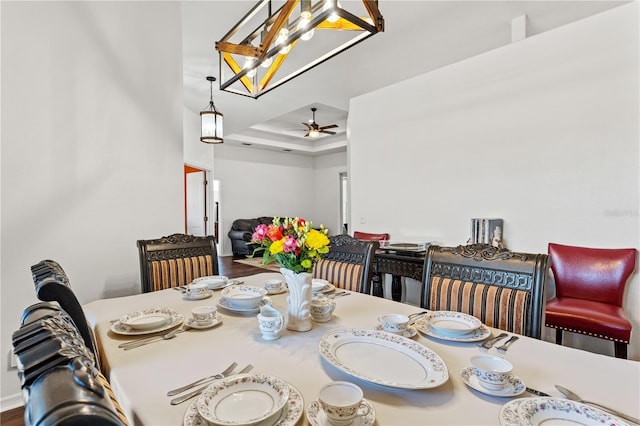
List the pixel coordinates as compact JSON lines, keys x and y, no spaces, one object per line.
{"x":197,"y":203}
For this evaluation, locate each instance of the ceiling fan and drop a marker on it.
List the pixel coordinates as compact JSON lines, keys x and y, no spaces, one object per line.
{"x":313,"y":130}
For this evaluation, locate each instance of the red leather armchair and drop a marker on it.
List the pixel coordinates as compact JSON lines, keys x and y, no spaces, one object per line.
{"x":590,"y":285}
{"x":364,"y":236}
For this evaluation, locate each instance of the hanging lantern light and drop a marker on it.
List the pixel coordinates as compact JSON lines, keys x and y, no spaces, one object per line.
{"x":211,"y":121}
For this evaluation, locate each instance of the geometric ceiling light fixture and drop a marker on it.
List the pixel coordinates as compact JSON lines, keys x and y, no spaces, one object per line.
{"x":266,"y":49}
{"x":211,"y":120}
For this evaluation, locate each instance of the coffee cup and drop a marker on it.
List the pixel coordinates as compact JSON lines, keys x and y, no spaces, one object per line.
{"x":273,"y":285}
{"x":195,"y":290}
{"x":203,"y":314}
{"x":394,"y":323}
{"x":270,"y":322}
{"x":493,"y":372}
{"x":342,"y":402}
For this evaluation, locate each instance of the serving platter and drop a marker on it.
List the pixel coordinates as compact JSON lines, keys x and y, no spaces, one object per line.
{"x":243,"y":399}
{"x":452,"y":323}
{"x":548,"y":410}
{"x":383,"y":358}
{"x":423,"y":326}
{"x":175,"y":319}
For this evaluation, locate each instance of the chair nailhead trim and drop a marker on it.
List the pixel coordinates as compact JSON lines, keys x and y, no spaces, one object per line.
{"x":590,"y":334}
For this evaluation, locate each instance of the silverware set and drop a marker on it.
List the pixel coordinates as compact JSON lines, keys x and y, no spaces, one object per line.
{"x":205,"y":382}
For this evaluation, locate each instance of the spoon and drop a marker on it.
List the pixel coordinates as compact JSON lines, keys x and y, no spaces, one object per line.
{"x":574,"y":397}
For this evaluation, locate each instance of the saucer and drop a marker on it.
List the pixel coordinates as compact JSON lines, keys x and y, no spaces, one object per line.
{"x":205,"y":294}
{"x":195,"y":324}
{"x":282,"y":289}
{"x":316,"y":415}
{"x":515,"y":386}
{"x":224,"y":304}
{"x":408,"y":333}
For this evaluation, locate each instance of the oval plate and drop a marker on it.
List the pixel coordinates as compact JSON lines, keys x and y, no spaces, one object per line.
{"x":361,"y":353}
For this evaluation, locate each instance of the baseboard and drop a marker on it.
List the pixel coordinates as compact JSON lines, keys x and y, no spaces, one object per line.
{"x":10,"y":402}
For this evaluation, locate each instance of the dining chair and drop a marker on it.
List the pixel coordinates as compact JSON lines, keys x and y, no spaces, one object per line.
{"x":503,"y":289}
{"x":365,"y":236}
{"x":590,"y":284}
{"x":176,"y":260}
{"x":349,"y":263}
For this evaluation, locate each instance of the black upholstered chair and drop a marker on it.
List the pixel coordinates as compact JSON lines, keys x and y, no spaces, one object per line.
{"x":503,"y":289}
{"x":176,"y":260}
{"x":348,"y":264}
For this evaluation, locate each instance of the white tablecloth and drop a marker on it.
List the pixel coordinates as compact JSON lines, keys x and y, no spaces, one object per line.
{"x":141,"y":377}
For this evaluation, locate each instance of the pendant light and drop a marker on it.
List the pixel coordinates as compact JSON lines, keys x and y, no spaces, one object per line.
{"x":211,"y":120}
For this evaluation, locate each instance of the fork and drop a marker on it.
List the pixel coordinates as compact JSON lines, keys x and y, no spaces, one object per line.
{"x":506,"y":344}
{"x":183,"y":398}
{"x":487,"y":344}
{"x":228,"y":370}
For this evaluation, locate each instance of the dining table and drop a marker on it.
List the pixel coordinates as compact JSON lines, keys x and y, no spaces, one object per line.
{"x":141,"y":377}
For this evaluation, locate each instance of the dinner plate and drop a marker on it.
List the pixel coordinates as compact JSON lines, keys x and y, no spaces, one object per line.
{"x":146,"y":319}
{"x":317,"y":417}
{"x":549,"y":410}
{"x":289,"y":415}
{"x":423,"y":326}
{"x":383,"y":358}
{"x":515,"y":386}
{"x":408,"y":333}
{"x":243,"y":399}
{"x":452,"y":323}
{"x":204,"y":295}
{"x":192,"y":323}
{"x":176,"y":318}
{"x":224,"y":304}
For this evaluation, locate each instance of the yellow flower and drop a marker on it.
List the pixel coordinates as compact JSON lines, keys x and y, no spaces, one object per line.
{"x":276,"y":246}
{"x":316,"y":240}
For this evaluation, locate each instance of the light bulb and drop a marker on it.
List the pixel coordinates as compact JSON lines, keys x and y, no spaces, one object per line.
{"x":248,"y":62}
{"x":282,"y":39}
{"x":305,"y":19}
{"x":331,"y":5}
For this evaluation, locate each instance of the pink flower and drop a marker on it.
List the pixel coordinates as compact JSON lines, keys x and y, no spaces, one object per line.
{"x":260,"y":233}
{"x":289,"y":244}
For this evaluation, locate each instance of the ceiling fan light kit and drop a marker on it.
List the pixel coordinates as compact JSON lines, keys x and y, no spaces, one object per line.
{"x":265,"y":49}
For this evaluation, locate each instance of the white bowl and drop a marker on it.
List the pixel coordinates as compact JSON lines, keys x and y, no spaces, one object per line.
{"x":243,"y":296}
{"x":243,"y":399}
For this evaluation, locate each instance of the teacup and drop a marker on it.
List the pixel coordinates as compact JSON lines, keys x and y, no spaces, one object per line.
{"x":195,"y":290}
{"x":321,"y":308}
{"x":204,"y":314}
{"x":342,"y":402}
{"x":493,"y":372}
{"x":394,"y":323}
{"x":271,"y":322}
{"x":273,"y":285}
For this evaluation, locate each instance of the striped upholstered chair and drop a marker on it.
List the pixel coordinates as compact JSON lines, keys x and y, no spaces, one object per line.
{"x":348,"y":264}
{"x":502,"y":288}
{"x":176,"y":260}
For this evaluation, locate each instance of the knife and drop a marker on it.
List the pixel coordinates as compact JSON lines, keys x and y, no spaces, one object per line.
{"x":574,"y":397}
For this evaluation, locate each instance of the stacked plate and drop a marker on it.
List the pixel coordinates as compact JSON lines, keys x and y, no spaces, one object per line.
{"x":246,"y":399}
{"x":454,"y":326}
{"x":243,"y":299}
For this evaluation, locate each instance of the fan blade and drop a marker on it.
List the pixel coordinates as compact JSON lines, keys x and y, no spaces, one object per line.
{"x":327,"y":132}
{"x":330,"y":126}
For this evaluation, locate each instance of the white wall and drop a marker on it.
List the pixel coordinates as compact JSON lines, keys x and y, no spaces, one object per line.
{"x":91,"y":146}
{"x":542,"y":133}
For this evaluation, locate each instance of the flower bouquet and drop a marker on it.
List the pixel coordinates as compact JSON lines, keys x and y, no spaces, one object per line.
{"x":296,"y":246}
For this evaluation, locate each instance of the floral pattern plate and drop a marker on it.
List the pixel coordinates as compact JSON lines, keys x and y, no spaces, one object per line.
{"x":289,"y":415}
{"x":452,"y":323}
{"x":317,"y":417}
{"x":224,"y":304}
{"x":538,"y":411}
{"x":174,"y":320}
{"x":424,"y":327}
{"x":515,"y":386}
{"x":360,"y":353}
{"x":243,"y":399}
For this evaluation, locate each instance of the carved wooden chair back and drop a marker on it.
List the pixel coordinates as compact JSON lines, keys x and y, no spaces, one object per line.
{"x":348,"y":264}
{"x":176,"y":260}
{"x":503,"y":289}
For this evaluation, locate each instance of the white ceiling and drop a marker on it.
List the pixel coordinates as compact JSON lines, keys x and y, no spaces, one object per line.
{"x":419,"y":36}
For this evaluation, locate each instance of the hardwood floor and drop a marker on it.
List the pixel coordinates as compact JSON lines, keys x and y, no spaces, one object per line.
{"x":227,"y":266}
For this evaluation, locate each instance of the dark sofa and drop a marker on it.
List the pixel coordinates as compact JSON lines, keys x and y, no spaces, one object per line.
{"x":241,"y":232}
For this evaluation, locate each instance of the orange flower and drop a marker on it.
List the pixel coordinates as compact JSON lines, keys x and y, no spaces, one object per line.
{"x":274,"y":233}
